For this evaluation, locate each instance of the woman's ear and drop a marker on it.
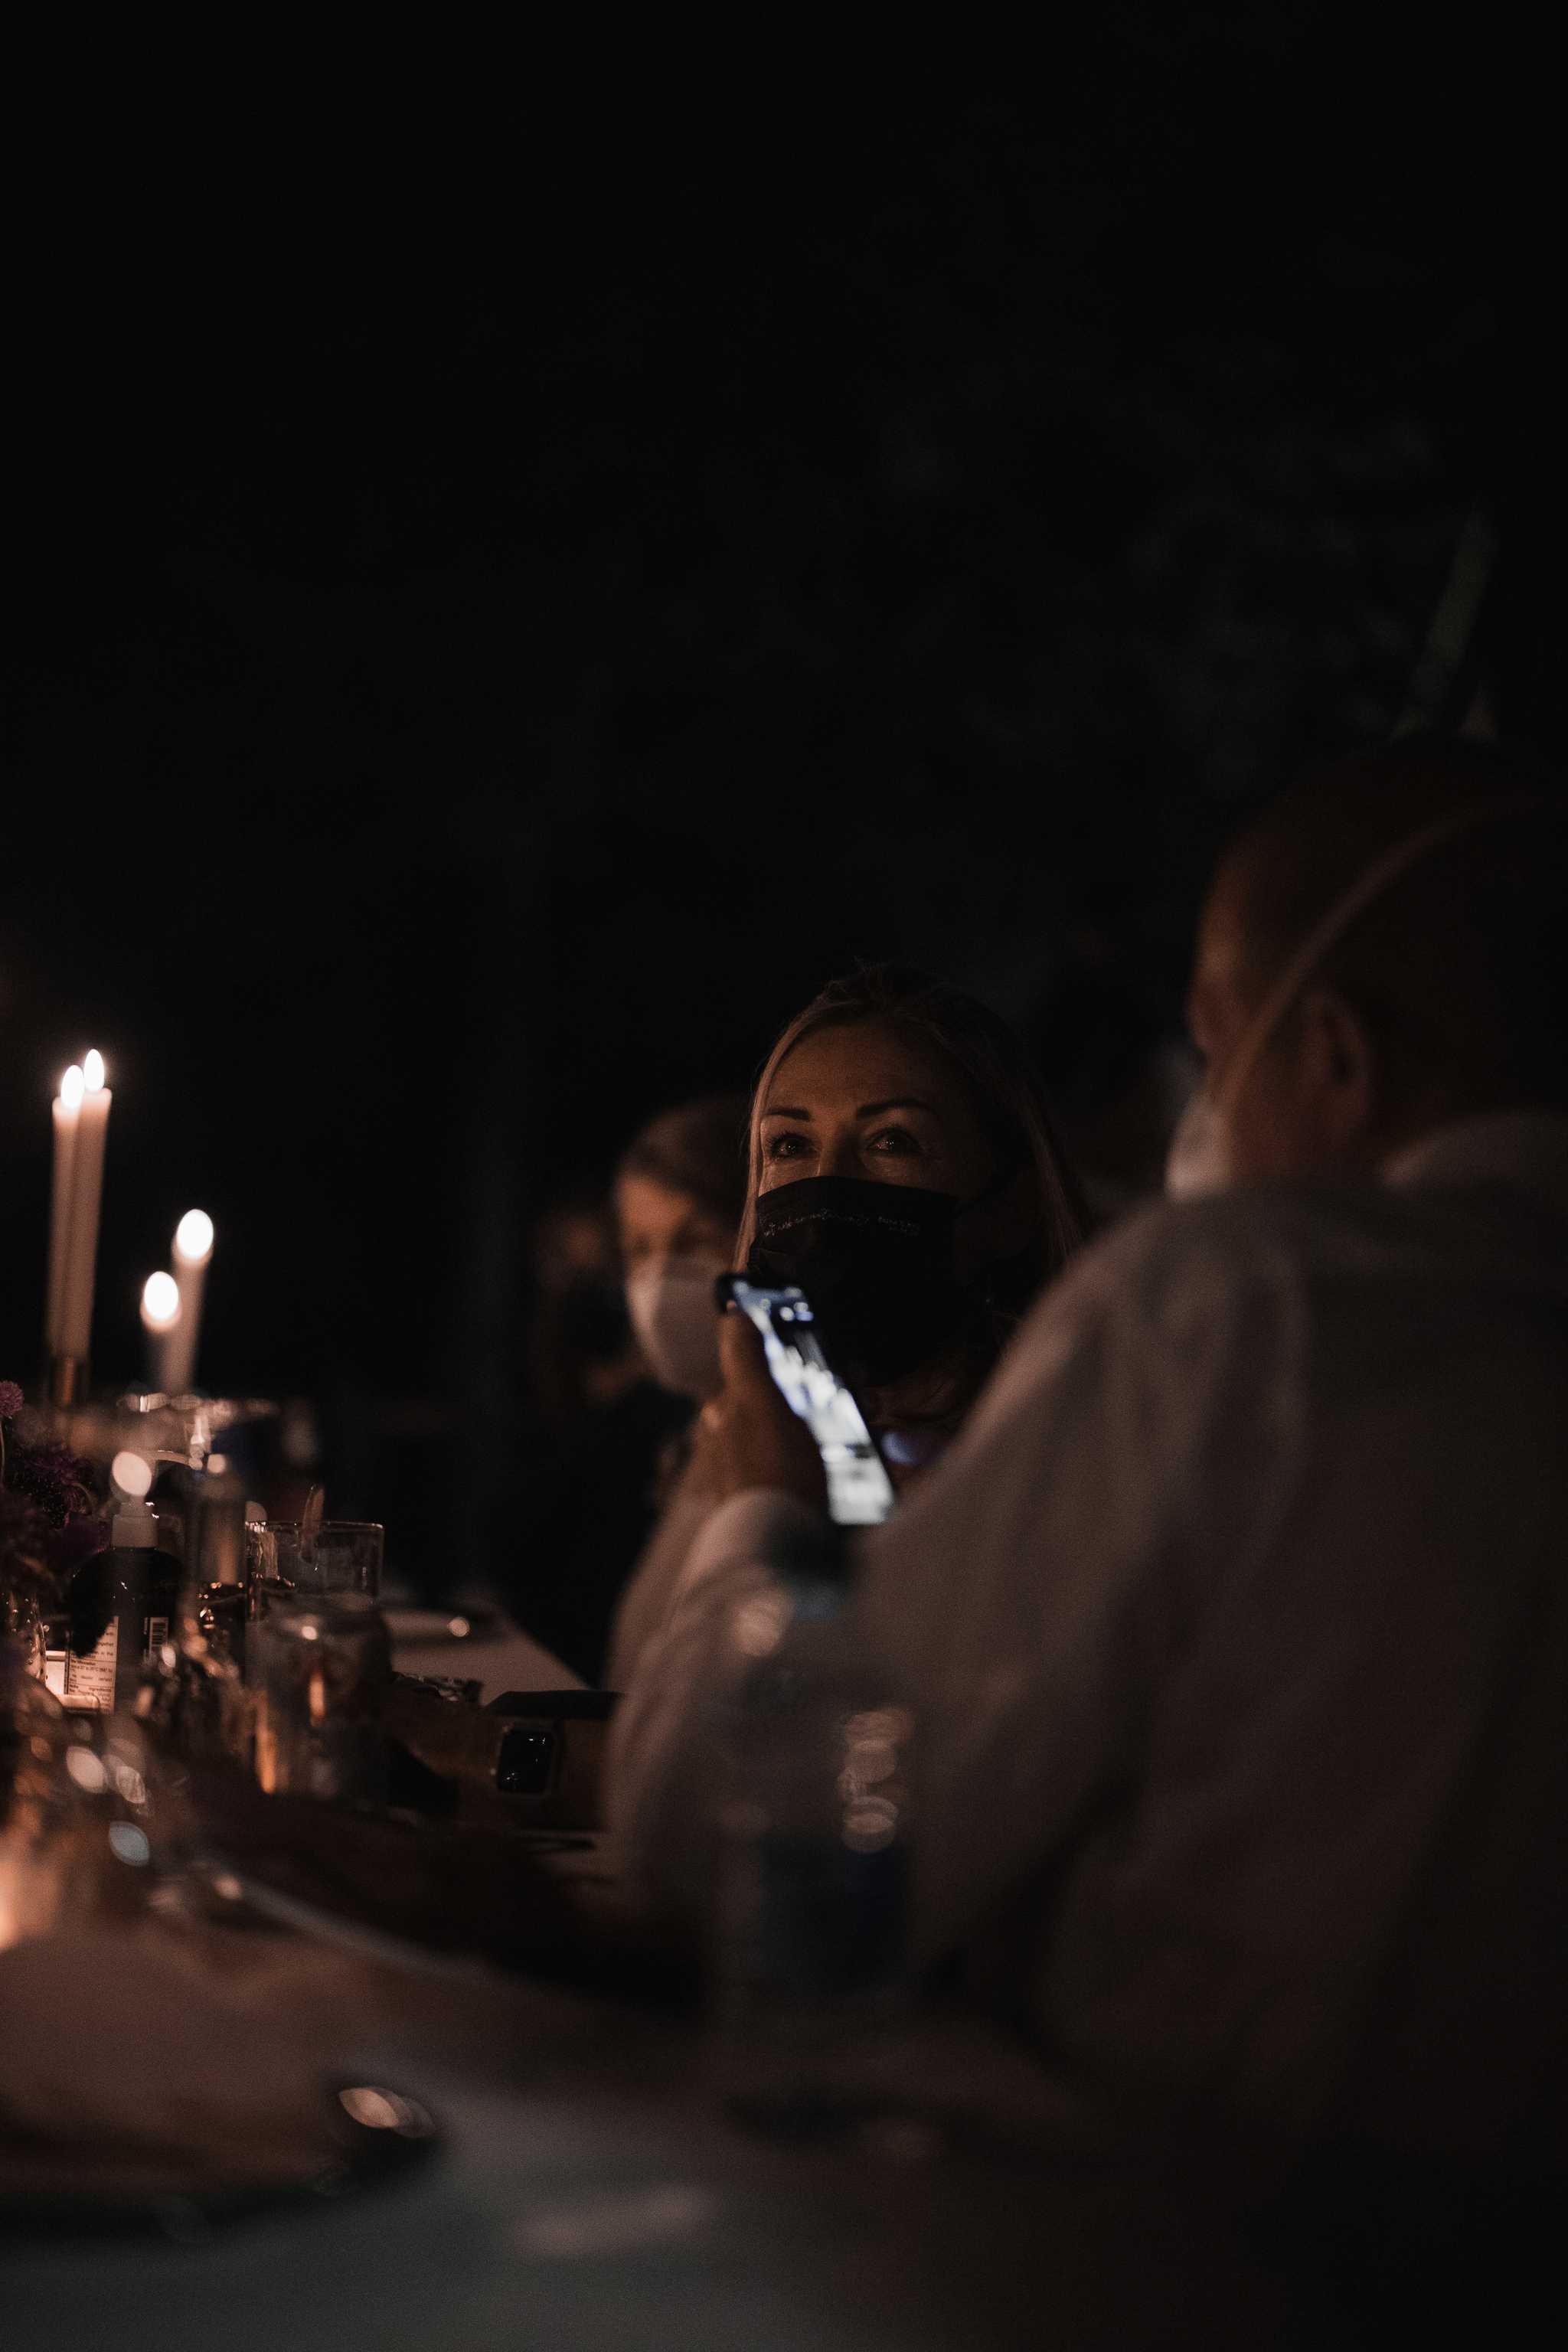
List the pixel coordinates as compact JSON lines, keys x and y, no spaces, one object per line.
{"x":1340,"y":1072}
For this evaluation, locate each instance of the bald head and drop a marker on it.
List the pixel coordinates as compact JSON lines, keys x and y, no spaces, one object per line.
{"x":1454,"y":972}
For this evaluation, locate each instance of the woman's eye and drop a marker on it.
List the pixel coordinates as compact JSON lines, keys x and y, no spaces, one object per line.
{"x":785,"y":1147}
{"x":892,"y":1139}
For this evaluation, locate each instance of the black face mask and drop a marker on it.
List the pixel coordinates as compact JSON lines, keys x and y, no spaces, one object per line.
{"x":876,"y":1263}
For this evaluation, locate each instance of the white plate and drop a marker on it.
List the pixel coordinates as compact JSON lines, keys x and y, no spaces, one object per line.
{"x":437,"y":1625}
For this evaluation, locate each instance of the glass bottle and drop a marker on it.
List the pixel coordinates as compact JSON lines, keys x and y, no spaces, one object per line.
{"x":216,"y":1603}
{"x":811,"y":1948}
{"x":121,"y":1605}
{"x":199,"y":1708}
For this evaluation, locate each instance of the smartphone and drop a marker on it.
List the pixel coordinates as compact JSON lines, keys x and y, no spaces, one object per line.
{"x":859,"y":1491}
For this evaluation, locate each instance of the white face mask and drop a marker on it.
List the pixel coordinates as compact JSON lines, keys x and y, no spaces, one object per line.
{"x":1203,"y":1151}
{"x":1199,"y":1160}
{"x":669,"y":1301}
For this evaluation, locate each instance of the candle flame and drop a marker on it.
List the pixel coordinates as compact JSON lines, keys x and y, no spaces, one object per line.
{"x":132,"y":1475}
{"x":159,"y":1302}
{"x":92,"y":1071}
{"x":194,"y":1236}
{"x":70,"y":1087}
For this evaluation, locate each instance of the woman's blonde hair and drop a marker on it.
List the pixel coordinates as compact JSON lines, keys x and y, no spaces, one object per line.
{"x":1009,"y":1098}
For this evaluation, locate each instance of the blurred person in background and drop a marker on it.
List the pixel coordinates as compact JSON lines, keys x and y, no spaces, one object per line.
{"x":680,"y":1191}
{"x":623,"y":1349}
{"x":596,"y":1427}
{"x":902,"y":1168}
{"x":582,"y":1353}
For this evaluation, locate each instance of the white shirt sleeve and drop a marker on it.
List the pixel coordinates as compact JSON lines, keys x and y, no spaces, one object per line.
{"x":1015,"y":1596}
{"x":1032,"y":1593}
{"x":662,"y":1763}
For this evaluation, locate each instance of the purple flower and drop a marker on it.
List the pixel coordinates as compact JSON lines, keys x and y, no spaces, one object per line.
{"x":11,"y":1400}
{"x":22,"y":1532}
{"x":53,"y":1479}
{"x":26,"y":1576}
{"x":46,"y":1523}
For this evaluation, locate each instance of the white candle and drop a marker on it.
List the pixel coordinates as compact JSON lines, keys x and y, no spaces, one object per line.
{"x":67,"y":1107}
{"x":86,"y":1199}
{"x":160,"y":1321}
{"x":193,"y":1255}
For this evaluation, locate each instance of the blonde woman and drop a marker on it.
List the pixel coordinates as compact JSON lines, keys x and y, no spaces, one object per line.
{"x":903,"y":1170}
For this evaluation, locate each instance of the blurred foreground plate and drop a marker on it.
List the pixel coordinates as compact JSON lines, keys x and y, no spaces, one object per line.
{"x":455,"y":1624}
{"x":371,"y":2135}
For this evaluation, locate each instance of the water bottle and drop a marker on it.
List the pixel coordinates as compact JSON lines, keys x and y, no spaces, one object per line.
{"x":812,"y":1896}
{"x":122,"y":1601}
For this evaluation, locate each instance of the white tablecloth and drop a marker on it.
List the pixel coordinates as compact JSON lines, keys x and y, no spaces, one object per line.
{"x":503,"y":1658}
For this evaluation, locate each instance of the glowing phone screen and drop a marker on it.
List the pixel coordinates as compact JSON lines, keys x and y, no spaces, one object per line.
{"x":859,"y":1492}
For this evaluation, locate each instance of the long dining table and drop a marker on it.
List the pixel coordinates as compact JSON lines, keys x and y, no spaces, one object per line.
{"x":580,"y":2183}
{"x":584,"y":2189}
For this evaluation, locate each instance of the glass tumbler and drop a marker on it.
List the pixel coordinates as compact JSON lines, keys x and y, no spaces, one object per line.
{"x":321,"y":1665}
{"x":346,"y":1558}
{"x":272,"y":1554}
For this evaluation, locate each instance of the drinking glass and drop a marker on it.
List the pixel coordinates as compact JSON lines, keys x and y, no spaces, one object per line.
{"x":346,"y":1559}
{"x":272,"y":1554}
{"x":318,"y":1668}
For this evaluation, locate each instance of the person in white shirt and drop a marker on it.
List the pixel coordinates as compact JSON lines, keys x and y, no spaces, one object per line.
{"x":1235,"y":1618}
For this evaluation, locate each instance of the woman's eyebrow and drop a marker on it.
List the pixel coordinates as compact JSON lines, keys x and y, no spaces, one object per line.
{"x":775,"y":1111}
{"x":898,"y":1102}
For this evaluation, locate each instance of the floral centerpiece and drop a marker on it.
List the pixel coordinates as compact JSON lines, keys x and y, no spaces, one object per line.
{"x":48,"y":1526}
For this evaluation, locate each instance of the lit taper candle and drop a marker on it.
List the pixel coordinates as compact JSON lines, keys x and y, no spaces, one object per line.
{"x":66,"y":1110}
{"x":86,"y":1201}
{"x":193,"y":1256}
{"x":160,"y":1321}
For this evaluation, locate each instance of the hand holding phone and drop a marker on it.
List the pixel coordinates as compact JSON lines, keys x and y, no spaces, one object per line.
{"x":859,"y":1491}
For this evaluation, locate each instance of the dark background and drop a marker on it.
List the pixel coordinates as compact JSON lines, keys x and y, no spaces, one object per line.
{"x":490,"y":642}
